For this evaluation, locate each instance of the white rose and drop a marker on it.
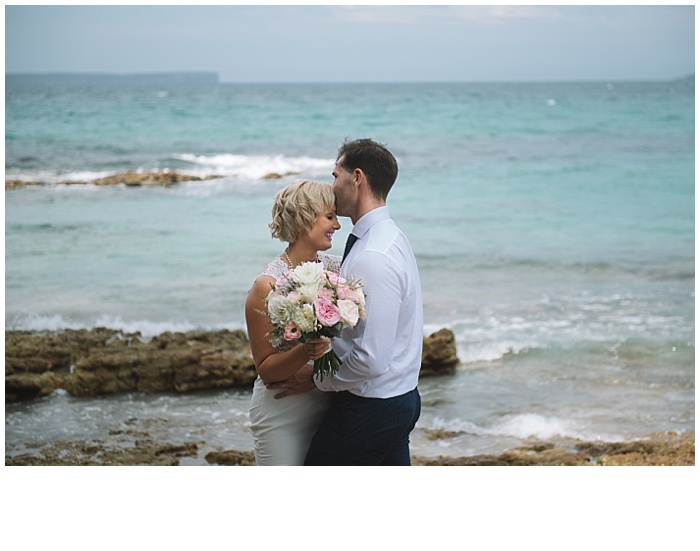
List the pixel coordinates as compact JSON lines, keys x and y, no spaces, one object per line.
{"x":309,"y":292}
{"x":308,"y":273}
{"x":349,"y":313}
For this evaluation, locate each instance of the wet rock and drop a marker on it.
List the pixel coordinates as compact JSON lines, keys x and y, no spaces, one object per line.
{"x":105,"y":371}
{"x":542,"y":455}
{"x":172,"y":361}
{"x":106,"y":361}
{"x":23,"y":386}
{"x":27,"y":352}
{"x":231,"y":458}
{"x":441,"y":434}
{"x":130,"y":179}
{"x":136,"y":447}
{"x":670,"y":449}
{"x":277,"y":175}
{"x":439,"y":354}
{"x":160,"y":178}
{"x":14,"y":184}
{"x":558,"y":458}
{"x":665,"y":448}
{"x":96,"y":453}
{"x":660,"y":449}
{"x":37,"y":364}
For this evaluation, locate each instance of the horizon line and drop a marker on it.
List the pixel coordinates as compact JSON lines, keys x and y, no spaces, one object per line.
{"x":406,"y":81}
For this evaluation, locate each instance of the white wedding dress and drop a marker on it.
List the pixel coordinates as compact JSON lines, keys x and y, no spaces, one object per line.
{"x":283,"y":429}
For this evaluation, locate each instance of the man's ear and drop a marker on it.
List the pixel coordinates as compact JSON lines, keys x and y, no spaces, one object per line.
{"x":358,"y":176}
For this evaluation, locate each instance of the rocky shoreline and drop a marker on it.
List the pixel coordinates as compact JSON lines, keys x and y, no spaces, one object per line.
{"x":164,"y":178}
{"x":663,"y":449}
{"x":106,"y":361}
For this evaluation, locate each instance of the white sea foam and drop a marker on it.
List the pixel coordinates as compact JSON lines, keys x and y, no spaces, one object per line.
{"x":254,"y":166}
{"x":251,"y":167}
{"x":32,"y":322}
{"x":528,"y":425}
{"x":451,"y":425}
{"x":490,"y":351}
{"x":53,"y":177}
{"x":480,"y":340}
{"x":564,"y":323}
{"x":522,"y":426}
{"x":545,"y":427}
{"x":147,"y":329}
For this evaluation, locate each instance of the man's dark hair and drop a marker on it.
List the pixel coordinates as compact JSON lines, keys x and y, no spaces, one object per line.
{"x":375,"y":160}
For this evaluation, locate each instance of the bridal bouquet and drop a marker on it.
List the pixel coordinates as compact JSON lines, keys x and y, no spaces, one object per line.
{"x":310,"y":302}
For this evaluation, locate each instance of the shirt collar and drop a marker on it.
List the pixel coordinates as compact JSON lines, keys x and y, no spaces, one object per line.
{"x":370,"y":219}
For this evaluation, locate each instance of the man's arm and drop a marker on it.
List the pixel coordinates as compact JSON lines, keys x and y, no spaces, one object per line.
{"x":372,"y":339}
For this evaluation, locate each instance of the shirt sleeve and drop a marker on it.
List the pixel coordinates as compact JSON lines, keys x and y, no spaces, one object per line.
{"x":367,"y":353}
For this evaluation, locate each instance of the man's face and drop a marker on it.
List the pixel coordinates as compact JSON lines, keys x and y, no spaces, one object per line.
{"x":345,"y":192}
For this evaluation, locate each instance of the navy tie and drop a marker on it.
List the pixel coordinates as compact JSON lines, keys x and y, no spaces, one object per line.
{"x":348,"y":245}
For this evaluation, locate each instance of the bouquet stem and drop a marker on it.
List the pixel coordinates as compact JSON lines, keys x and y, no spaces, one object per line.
{"x":328,"y":364}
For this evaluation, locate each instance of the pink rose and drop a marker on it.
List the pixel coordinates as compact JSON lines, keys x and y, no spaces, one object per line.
{"x":346,"y":293}
{"x":291,"y":332}
{"x":326,"y":312}
{"x":333,"y":277}
{"x":325,"y":293}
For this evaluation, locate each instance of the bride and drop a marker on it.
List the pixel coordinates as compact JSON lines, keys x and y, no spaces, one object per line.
{"x":304,"y":216}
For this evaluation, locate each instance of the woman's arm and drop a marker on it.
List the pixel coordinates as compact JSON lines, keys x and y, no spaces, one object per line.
{"x":272,"y":366}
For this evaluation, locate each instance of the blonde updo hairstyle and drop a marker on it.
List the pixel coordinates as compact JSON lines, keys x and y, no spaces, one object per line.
{"x":297,"y":206}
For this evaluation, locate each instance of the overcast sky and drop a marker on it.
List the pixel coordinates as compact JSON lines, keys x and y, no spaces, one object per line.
{"x":336,"y":43}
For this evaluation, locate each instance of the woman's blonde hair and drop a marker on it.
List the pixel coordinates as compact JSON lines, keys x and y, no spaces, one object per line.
{"x":297,"y":206}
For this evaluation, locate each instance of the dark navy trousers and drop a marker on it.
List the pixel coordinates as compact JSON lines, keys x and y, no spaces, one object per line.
{"x":365,"y":431}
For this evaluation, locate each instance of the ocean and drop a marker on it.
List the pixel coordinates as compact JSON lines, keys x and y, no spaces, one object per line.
{"x":553,"y":225}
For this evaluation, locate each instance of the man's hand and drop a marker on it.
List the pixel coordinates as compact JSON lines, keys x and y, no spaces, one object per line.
{"x":298,"y":383}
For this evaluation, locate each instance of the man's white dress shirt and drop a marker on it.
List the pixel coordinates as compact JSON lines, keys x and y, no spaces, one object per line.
{"x":381,"y":355}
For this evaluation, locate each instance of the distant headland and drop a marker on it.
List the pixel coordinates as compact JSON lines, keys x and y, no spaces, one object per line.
{"x":189,"y":77}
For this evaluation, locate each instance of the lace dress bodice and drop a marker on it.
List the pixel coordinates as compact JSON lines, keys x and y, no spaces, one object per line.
{"x":277,"y":267}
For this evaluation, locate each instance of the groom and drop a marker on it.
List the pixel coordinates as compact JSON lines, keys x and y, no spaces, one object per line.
{"x":376,"y":404}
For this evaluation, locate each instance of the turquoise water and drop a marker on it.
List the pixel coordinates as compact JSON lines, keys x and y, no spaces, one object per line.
{"x":553,"y":225}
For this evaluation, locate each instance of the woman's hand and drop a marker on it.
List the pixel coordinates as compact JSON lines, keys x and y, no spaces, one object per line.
{"x":316,"y":348}
{"x":301,"y":381}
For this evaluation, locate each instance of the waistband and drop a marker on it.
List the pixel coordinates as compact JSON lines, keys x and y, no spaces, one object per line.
{"x":346,"y":396}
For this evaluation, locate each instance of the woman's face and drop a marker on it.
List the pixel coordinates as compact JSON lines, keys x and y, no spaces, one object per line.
{"x":321,"y":234}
